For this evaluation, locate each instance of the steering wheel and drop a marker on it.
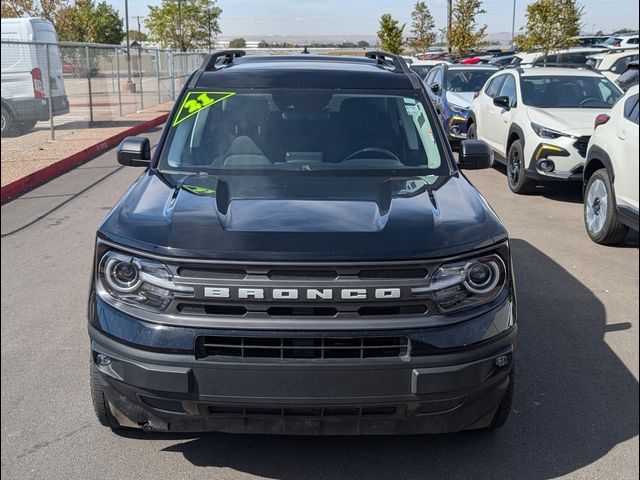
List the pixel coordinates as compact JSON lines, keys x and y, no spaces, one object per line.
{"x":590,"y":99}
{"x":384,"y":151}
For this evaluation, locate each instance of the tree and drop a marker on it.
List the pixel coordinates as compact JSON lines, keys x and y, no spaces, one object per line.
{"x":390,"y":34}
{"x":465,"y":35}
{"x":238,"y":43}
{"x":263,"y":44}
{"x":137,"y":36}
{"x":422,"y":25}
{"x":86,"y":21}
{"x":551,"y":25}
{"x":362,"y":44}
{"x":42,"y":8}
{"x":185,"y":25}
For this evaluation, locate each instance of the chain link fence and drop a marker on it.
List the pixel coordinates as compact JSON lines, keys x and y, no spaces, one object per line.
{"x":54,"y":86}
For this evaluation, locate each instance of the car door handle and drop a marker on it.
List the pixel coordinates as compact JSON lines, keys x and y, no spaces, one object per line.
{"x":621,"y":134}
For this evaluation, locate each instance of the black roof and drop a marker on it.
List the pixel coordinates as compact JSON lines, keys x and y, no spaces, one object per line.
{"x":303,"y":71}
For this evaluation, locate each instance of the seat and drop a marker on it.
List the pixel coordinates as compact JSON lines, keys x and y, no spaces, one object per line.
{"x":243,"y":152}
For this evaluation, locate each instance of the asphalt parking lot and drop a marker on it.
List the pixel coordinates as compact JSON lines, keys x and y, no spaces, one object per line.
{"x":575,"y":411}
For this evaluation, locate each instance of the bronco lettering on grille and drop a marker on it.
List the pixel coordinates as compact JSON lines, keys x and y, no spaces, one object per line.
{"x":302,"y":293}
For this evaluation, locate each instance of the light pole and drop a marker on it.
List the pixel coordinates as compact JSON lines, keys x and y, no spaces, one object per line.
{"x":209,"y":25}
{"x":449,"y":13}
{"x":180,"y":25}
{"x":138,"y":17}
{"x":126,"y":21}
{"x":513,"y":23}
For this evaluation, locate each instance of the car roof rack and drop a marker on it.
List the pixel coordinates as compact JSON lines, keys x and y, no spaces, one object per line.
{"x":576,"y":66}
{"x":512,"y":66}
{"x":399,"y":64}
{"x":211,"y":60}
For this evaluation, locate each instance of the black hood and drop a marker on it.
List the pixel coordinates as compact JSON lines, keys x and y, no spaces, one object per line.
{"x":303,"y":218}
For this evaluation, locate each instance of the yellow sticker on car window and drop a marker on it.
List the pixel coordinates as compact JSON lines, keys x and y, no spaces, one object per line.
{"x":194,"y":102}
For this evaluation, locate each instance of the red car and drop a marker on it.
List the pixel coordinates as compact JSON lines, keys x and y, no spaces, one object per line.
{"x":69,"y":68}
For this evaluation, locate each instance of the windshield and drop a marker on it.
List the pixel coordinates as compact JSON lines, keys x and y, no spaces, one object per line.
{"x":569,"y":92}
{"x":467,"y":80}
{"x":613,"y":41}
{"x":421,"y":70}
{"x":302,"y":131}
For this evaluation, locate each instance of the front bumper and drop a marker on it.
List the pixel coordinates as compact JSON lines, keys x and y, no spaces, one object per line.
{"x":37,"y":109}
{"x":566,"y":160}
{"x":438,"y":389}
{"x":456,"y":126}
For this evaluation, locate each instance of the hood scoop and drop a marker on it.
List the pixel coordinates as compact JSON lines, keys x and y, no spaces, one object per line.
{"x":276,"y":204}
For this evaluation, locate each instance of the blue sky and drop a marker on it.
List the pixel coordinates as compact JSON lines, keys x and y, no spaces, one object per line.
{"x":360,"y":17}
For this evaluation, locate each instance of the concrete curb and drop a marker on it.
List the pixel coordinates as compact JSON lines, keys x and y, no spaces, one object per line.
{"x":35,"y":179}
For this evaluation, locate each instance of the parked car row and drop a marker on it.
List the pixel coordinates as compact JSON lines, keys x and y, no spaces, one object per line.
{"x":563,"y":117}
{"x":540,"y":122}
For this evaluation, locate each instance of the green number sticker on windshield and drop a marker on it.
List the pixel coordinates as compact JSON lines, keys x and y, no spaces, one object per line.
{"x":197,"y":101}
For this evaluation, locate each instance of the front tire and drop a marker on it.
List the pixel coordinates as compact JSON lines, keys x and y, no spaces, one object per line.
{"x":100,"y":403}
{"x":516,"y":170}
{"x":472,"y":132}
{"x":600,"y":216}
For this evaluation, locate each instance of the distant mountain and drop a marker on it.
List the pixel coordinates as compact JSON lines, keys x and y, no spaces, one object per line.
{"x":503,"y":38}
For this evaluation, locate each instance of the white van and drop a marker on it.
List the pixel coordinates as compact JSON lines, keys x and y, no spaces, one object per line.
{"x":27,"y":82}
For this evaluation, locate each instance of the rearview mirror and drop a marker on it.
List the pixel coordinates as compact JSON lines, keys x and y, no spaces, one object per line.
{"x":475,"y":155}
{"x":134,"y":152}
{"x":435,"y":88}
{"x":502,"y":102}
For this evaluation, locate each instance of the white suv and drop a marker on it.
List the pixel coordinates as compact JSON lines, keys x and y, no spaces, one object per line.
{"x":539,"y":120}
{"x":623,"y":40}
{"x":611,"y":173}
{"x":613,"y":63}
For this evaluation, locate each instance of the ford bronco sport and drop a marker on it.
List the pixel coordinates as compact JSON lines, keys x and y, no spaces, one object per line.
{"x":302,"y":255}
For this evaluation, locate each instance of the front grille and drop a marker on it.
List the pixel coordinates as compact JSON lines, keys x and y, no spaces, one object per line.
{"x":309,"y":348}
{"x":321,"y":411}
{"x":292,"y":290}
{"x":394,"y":273}
{"x":271,"y":310}
{"x":302,"y":275}
{"x":581,"y":145}
{"x":213,"y":273}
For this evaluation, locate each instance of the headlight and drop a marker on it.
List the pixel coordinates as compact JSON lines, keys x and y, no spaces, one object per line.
{"x":138,"y":282}
{"x":544,"y":132}
{"x":456,"y":108}
{"x":465,"y":284}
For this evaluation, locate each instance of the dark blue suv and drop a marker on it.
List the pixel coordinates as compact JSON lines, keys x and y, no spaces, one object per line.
{"x":452,"y":88}
{"x":302,"y":255}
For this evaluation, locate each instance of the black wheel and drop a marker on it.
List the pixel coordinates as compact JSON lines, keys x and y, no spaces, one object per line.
{"x":516,"y":170}
{"x":8,"y":127}
{"x":600,"y":216}
{"x":504,"y":409}
{"x":100,"y":404}
{"x":472,"y":132}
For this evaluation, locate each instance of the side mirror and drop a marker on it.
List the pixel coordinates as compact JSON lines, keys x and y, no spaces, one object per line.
{"x":502,"y":102}
{"x":134,"y":152}
{"x":435,"y":88}
{"x":475,"y":155}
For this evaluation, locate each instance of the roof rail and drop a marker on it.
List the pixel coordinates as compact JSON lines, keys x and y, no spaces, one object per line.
{"x":511,"y":66}
{"x":399,"y":63}
{"x":382,"y":57}
{"x":211,"y":60}
{"x":557,"y":64}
